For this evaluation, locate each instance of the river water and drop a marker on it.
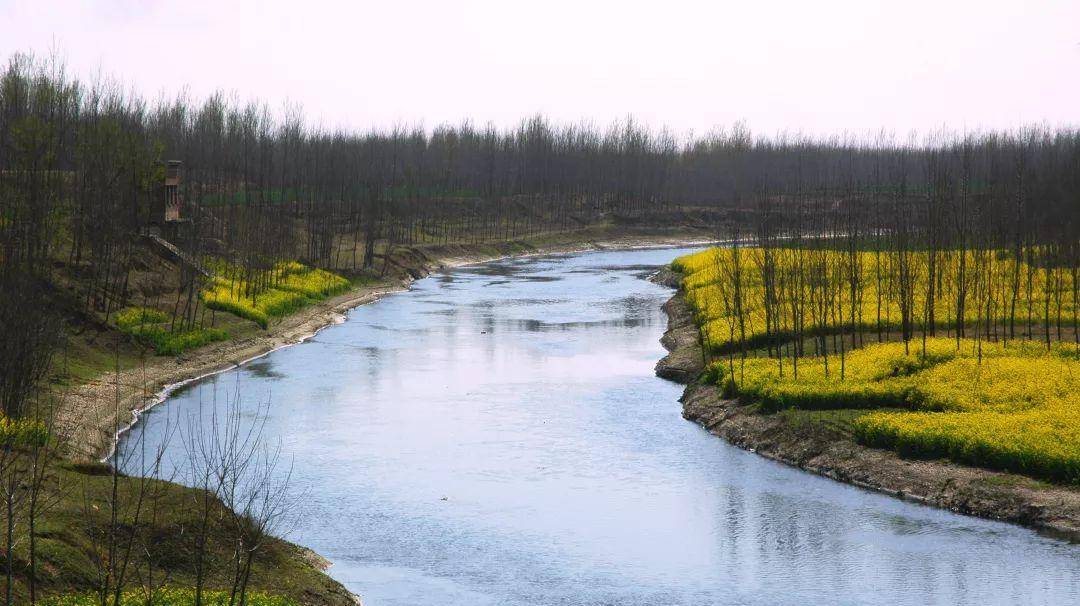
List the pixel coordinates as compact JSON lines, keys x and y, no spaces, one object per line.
{"x":495,"y":436}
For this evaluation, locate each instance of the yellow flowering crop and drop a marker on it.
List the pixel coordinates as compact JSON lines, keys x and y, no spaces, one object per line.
{"x":1017,"y":410}
{"x":1025,"y":292}
{"x":22,"y":433}
{"x":280,"y":291}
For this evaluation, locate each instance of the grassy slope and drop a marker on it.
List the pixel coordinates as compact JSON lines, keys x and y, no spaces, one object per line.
{"x":77,"y":507}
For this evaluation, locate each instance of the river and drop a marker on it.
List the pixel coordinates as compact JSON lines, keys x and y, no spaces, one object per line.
{"x":496,"y":436}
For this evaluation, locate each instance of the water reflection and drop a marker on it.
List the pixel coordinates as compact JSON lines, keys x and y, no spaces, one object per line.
{"x":496,"y":436}
{"x":262,"y":368}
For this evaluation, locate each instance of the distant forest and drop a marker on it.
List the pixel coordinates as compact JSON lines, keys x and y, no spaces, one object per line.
{"x":82,"y":168}
{"x":86,"y":159}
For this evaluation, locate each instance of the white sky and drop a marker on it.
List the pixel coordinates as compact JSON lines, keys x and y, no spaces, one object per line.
{"x":815,"y":66}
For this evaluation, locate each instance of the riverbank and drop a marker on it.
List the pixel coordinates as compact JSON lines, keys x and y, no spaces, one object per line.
{"x":816,"y":443}
{"x":93,"y":415}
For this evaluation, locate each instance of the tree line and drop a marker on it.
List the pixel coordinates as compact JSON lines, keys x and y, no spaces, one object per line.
{"x":847,"y":240}
{"x":976,"y":237}
{"x":81,"y":171}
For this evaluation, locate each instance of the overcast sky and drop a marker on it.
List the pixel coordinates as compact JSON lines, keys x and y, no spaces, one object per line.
{"x":814,"y":66}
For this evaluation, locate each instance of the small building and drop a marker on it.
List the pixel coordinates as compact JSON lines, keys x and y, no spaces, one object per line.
{"x":172,"y":201}
{"x":166,"y":213}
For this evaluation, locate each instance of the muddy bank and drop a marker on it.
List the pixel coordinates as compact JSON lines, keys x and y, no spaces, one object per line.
{"x":91,"y":415}
{"x":684,"y":361}
{"x":830,"y":452}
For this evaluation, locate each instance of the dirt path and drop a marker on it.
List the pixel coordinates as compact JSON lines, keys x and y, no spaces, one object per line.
{"x":818,"y":449}
{"x":92,"y":415}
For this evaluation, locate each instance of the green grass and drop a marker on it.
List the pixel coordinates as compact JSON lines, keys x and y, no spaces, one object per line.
{"x":89,"y":354}
{"x":1011,"y":480}
{"x":840,"y":420}
{"x":151,"y":327}
{"x":77,"y":497}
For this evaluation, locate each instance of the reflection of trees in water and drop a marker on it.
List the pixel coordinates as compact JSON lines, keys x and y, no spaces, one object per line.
{"x":263,"y":369}
{"x":628,"y":268}
{"x":635,"y":306}
{"x":496,"y":303}
{"x":532,"y":325}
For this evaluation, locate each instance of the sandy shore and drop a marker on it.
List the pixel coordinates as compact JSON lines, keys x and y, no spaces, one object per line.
{"x":1052,"y":509}
{"x":92,"y":416}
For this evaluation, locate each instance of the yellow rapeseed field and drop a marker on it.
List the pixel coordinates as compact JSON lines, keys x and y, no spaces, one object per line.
{"x":802,"y":274}
{"x":283,"y":289}
{"x":22,"y":433}
{"x":1017,"y":410}
{"x":1010,"y":405}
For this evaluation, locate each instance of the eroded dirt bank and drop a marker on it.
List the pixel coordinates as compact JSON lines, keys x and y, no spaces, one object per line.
{"x":829,"y":451}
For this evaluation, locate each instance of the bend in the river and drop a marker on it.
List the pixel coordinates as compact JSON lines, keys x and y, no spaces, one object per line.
{"x":496,"y":436}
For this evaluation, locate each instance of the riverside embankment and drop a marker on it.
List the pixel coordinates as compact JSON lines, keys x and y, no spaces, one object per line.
{"x":828,"y":449}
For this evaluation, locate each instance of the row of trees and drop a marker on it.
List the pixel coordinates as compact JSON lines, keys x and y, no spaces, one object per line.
{"x":855,"y":239}
{"x":976,"y":237}
{"x":81,"y":178}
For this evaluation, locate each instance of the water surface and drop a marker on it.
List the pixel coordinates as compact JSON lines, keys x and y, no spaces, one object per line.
{"x":495,"y":436}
